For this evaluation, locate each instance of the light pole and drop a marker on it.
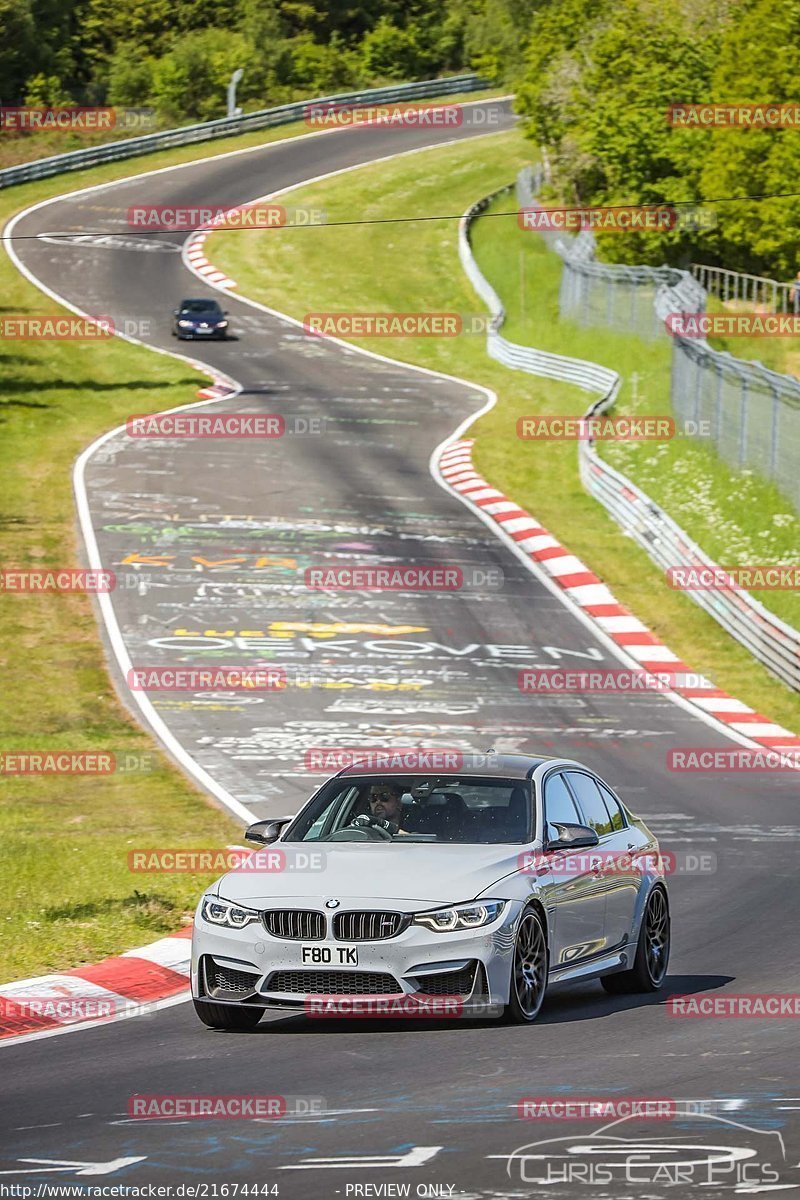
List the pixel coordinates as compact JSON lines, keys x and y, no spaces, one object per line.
{"x":233,"y":111}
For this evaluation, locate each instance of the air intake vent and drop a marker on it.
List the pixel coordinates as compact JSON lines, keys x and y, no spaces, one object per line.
{"x":333,"y":983}
{"x":295,"y":924}
{"x":368,"y":926}
{"x":228,"y":983}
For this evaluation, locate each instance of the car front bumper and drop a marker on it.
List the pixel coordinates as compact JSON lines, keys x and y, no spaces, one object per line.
{"x":416,"y":962}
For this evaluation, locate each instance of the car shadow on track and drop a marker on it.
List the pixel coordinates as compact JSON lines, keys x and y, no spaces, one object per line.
{"x":564,"y":1004}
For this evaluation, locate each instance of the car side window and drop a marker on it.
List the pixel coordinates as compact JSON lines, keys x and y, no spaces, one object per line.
{"x":591,"y":802}
{"x":613,"y":806}
{"x":558,"y":804}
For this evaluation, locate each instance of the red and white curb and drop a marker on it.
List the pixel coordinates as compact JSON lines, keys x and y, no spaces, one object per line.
{"x":195,"y":255}
{"x":98,"y":993}
{"x":597,"y":601}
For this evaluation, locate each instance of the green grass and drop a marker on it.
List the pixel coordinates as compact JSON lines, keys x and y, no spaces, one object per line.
{"x":64,"y":840}
{"x":412,"y":266}
{"x":781,"y":354}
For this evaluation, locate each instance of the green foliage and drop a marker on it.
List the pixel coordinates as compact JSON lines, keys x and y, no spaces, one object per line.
{"x":130,"y":77}
{"x":178,"y":58}
{"x":594,"y":90}
{"x":191,"y":80}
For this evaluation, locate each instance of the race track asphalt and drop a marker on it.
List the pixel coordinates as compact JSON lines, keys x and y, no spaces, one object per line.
{"x":228,"y":529}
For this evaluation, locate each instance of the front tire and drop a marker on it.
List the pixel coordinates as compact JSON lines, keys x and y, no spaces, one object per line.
{"x":528,"y":972}
{"x":652,"y":951}
{"x":226,"y":1016}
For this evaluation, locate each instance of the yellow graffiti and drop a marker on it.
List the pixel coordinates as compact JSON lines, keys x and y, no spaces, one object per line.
{"x":369,"y":685}
{"x":164,"y":560}
{"x":314,"y":629}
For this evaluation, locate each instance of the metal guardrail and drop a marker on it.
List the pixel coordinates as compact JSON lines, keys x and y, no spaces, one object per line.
{"x":589,"y":376}
{"x":768,"y":638}
{"x":750,"y":413}
{"x":263,"y":118}
{"x":756,"y":290}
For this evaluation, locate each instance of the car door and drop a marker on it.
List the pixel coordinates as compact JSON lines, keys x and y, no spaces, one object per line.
{"x":574,"y":891}
{"x":619,"y":882}
{"x":627,"y":842}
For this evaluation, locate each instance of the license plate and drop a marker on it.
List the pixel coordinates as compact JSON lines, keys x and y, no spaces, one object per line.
{"x":329,"y":956}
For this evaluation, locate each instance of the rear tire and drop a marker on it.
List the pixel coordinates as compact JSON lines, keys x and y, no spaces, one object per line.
{"x":652,"y":951}
{"x":226,"y":1016}
{"x":528,"y":971}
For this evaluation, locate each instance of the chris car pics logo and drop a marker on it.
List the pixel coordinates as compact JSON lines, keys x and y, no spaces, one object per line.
{"x":705,"y":1150}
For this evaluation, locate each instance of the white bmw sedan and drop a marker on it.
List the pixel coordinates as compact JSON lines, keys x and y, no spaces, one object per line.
{"x":446,"y":893}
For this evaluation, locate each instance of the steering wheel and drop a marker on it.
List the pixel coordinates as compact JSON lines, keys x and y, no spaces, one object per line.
{"x":365,"y":828}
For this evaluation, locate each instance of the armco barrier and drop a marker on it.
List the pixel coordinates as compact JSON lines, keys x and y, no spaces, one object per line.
{"x":752,"y":414}
{"x":263,"y":118}
{"x":768,"y":639}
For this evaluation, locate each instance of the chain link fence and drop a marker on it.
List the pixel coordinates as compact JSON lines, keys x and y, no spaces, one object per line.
{"x":750,"y":413}
{"x":768,"y":638}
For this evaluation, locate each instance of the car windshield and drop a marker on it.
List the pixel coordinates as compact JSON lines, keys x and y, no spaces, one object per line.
{"x":200,"y":306}
{"x":412,"y":809}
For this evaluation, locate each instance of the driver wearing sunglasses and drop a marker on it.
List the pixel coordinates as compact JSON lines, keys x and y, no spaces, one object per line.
{"x":386,"y":803}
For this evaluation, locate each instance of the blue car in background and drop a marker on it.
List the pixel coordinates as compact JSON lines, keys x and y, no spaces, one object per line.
{"x":199,"y":319}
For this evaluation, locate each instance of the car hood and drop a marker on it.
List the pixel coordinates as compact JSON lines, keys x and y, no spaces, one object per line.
{"x":405,"y":874}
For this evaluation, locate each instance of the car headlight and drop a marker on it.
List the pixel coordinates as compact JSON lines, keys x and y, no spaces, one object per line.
{"x":461,"y":916}
{"x":222,"y":324}
{"x":220,"y":912}
{"x":185,"y":324}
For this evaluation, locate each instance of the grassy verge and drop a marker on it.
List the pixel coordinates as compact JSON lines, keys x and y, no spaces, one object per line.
{"x":415,"y":266}
{"x":781,"y":354}
{"x":736,"y":516}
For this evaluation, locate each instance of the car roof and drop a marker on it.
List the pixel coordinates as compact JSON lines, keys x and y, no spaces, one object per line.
{"x":493,"y":766}
{"x":200,"y":300}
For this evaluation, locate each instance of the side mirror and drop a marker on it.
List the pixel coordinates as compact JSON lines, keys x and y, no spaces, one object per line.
{"x":266,"y":832}
{"x":176,"y":312}
{"x":572,"y":837}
